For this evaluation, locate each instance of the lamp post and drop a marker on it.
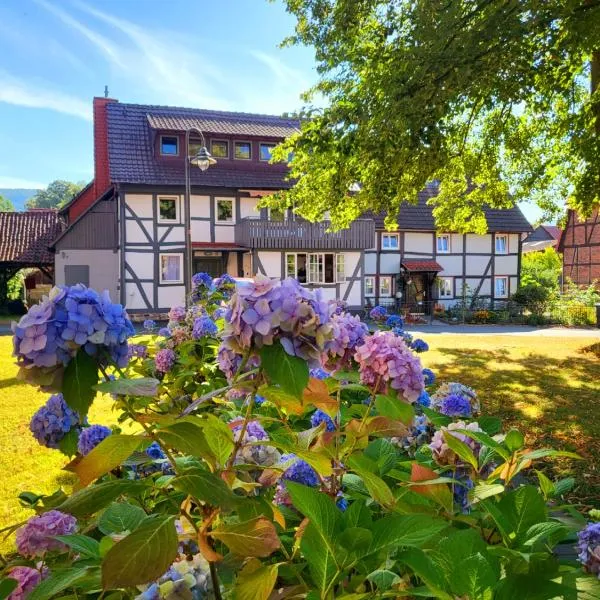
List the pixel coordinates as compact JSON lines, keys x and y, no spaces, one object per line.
{"x":203,"y":160}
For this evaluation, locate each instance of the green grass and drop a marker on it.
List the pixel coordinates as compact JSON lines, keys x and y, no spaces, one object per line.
{"x":548,"y":387}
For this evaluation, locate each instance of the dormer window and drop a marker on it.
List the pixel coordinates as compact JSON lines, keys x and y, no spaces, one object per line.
{"x":219,"y":148}
{"x":242,"y":150}
{"x":265,"y":151}
{"x":169,"y":145}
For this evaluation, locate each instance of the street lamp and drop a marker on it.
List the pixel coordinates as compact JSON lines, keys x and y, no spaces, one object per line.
{"x":202,"y":160}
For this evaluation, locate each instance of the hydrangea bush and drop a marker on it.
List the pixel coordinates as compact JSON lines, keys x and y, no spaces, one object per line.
{"x":284,"y":451}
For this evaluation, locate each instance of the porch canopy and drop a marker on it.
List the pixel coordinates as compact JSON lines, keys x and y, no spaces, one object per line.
{"x":421,"y":266}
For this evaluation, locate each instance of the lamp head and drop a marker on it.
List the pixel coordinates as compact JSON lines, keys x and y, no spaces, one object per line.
{"x":203,"y":159}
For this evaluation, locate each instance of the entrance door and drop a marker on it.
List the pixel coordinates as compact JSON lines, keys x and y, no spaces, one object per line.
{"x":416,"y":288}
{"x":213,"y":265}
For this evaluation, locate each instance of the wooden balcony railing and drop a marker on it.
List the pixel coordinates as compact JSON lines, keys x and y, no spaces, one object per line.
{"x":300,"y":234}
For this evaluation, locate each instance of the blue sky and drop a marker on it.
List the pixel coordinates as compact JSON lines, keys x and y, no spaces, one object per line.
{"x":56,"y":55}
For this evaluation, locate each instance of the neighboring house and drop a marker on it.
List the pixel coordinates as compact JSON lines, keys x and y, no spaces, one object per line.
{"x":126,"y":229}
{"x":580,"y":247}
{"x":542,"y":237}
{"x":418,"y":264}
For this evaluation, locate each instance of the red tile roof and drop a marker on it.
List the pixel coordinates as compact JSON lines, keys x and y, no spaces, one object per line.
{"x":421,"y":265}
{"x":25,"y":237}
{"x":553,"y":230}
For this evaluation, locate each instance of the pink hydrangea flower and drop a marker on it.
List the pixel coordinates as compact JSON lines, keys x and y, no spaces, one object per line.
{"x":442,"y":453}
{"x":27,"y":579}
{"x":385,"y":361}
{"x":36,"y":537}
{"x":164,"y":360}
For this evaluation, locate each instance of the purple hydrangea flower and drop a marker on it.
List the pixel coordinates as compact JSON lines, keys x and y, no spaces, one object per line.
{"x":26,"y":578}
{"x":299,"y":471}
{"x":204,"y":326}
{"x":249,"y":453}
{"x":53,"y":421}
{"x":36,"y":537}
{"x":319,"y":417}
{"x":428,"y":377}
{"x":419,"y":345}
{"x":137,"y":351}
{"x":456,"y":405}
{"x":155,"y":452}
{"x":386,"y":361}
{"x":589,"y":548}
{"x":379,"y":313}
{"x":424,"y":399}
{"x":90,"y":437}
{"x":219,"y":313}
{"x":202,"y":280}
{"x":348,"y":333}
{"x":164,"y":332}
{"x":164,"y":360}
{"x":394,"y":321}
{"x":149,"y":325}
{"x":177,"y":314}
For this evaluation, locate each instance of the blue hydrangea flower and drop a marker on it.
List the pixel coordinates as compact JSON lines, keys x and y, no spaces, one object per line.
{"x":424,"y":399}
{"x":319,"y":417}
{"x":455,"y":405}
{"x":379,"y":313}
{"x":428,"y":376}
{"x":204,"y":326}
{"x":341,"y":503}
{"x":299,"y":471}
{"x":460,"y":490}
{"x":90,"y":437}
{"x":319,"y":373}
{"x":53,"y":421}
{"x":164,"y":332}
{"x":219,"y":312}
{"x":155,"y":452}
{"x":149,"y":325}
{"x":394,"y":321}
{"x":202,"y":280}
{"x":589,"y":548}
{"x":419,"y":345}
{"x":258,"y":399}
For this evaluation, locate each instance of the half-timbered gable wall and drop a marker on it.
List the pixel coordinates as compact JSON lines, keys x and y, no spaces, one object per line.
{"x":580,"y":245}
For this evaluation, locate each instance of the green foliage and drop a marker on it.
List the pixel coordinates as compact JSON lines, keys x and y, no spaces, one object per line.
{"x":533,"y":297}
{"x":486,"y":97}
{"x":541,"y":268}
{"x":6,"y":205}
{"x":56,"y":195}
{"x":80,"y":379}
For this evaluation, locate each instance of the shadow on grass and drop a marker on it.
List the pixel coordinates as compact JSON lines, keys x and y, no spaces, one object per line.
{"x":556,"y":402}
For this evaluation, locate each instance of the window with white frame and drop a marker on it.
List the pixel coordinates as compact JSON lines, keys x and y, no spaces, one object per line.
{"x":385,"y":286}
{"x":443,"y":243}
{"x":295,"y":266}
{"x":317,"y":267}
{"x":501,"y":287}
{"x":445,"y":287}
{"x":169,"y":145}
{"x":501,"y":244}
{"x":224,"y":210}
{"x":369,"y":286}
{"x":390,"y":241}
{"x":340,"y":268}
{"x":171,"y":268}
{"x":168,"y":209}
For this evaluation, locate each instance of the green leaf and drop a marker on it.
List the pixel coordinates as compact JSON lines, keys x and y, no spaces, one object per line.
{"x":525,"y":587}
{"x":384,"y":453}
{"x":549,"y":532}
{"x":355,"y":540}
{"x":256,"y":537}
{"x":188,"y":438}
{"x":120,"y":517}
{"x":207,"y":487}
{"x":7,"y":586}
{"x":405,"y":530}
{"x":143,"y":555}
{"x":68,"y":444}
{"x":491,"y":425}
{"x":358,"y":515}
{"x":377,"y":487}
{"x":473,"y":577}
{"x":58,"y":581}
{"x":485,"y":490}
{"x":395,"y":409}
{"x":255,"y":581}
{"x":91,"y":499}
{"x":383,"y":579}
{"x":546,"y":485}
{"x":80,"y":377}
{"x":487,"y":440}
{"x":219,"y":439}
{"x":289,"y":372}
{"x":81,"y":544}
{"x":142,"y":386}
{"x":107,"y":455}
{"x":461,"y":449}
{"x":426,"y":570}
{"x":514,"y":440}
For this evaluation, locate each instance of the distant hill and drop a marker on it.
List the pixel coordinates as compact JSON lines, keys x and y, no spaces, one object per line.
{"x":18,"y":196}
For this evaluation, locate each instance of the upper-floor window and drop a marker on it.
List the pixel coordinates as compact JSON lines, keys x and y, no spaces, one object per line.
{"x":224,"y":210}
{"x":266,"y":150}
{"x":242,"y":150}
{"x":169,"y":145}
{"x":501,"y":287}
{"x":168,"y":209}
{"x":501,"y":244}
{"x":443,"y":243}
{"x":219,"y":148}
{"x":389,"y":241}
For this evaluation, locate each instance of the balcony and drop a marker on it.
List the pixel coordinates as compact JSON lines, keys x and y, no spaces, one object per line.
{"x":303,"y":235}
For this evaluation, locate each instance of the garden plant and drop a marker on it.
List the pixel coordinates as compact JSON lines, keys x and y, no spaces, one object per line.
{"x":279,"y":449}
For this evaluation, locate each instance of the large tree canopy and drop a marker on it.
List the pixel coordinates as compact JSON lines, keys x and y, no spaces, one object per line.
{"x":6,"y":205}
{"x":56,"y":195}
{"x":491,"y":98}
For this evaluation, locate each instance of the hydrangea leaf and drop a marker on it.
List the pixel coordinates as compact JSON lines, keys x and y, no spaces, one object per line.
{"x":438,"y":492}
{"x":383,"y":579}
{"x":219,"y":438}
{"x":79,"y":381}
{"x":7,"y":586}
{"x":256,"y":537}
{"x":286,"y":402}
{"x":514,"y":440}
{"x":107,"y":455}
{"x":82,"y":544}
{"x":317,"y":394}
{"x":68,"y":444}
{"x":289,"y":372}
{"x":58,"y":581}
{"x":405,"y":530}
{"x":394,"y":408}
{"x":255,"y":581}
{"x":205,"y":486}
{"x":188,"y":438}
{"x":120,"y":517}
{"x":377,"y":487}
{"x":143,"y":555}
{"x":141,"y":386}
{"x":422,"y":566}
{"x":461,"y":449}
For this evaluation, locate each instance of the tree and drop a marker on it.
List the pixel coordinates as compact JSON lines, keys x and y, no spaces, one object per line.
{"x":56,"y":195}
{"x":542,"y":268}
{"x":6,"y":205}
{"x":490,"y":98}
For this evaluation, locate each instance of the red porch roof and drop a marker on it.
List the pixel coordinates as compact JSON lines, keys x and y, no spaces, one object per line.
{"x":415,"y":265}
{"x":218,"y":246}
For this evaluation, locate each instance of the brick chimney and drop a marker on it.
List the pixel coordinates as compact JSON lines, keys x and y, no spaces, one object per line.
{"x":101,"y":172}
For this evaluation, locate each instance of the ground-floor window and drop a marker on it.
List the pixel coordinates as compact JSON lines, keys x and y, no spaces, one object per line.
{"x":316,"y":267}
{"x":445,"y":287}
{"x":369,"y":286}
{"x":171,"y":268}
{"x":385,"y":286}
{"x":501,"y":287}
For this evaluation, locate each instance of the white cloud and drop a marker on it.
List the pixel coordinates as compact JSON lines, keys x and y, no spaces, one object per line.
{"x":40,"y":95}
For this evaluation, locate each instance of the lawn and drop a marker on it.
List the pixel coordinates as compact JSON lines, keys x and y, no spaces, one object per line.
{"x":549,"y":387}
